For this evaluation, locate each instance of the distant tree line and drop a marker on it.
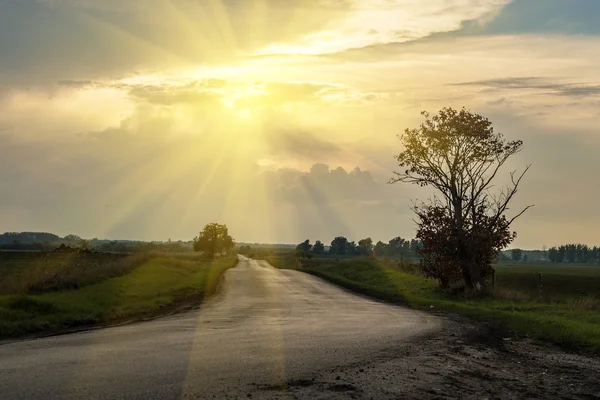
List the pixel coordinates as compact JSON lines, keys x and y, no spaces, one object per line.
{"x":44,"y":241}
{"x":341,"y":246}
{"x":29,"y":238}
{"x":574,"y":253}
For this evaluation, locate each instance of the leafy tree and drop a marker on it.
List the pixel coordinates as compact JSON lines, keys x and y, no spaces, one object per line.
{"x":339,"y":246}
{"x":459,"y":154}
{"x":516,"y":254}
{"x":380,"y":249}
{"x":318,"y":247}
{"x":396,"y":246}
{"x":365,"y":247}
{"x":213,"y":239}
{"x":304,"y":246}
{"x":441,"y":250}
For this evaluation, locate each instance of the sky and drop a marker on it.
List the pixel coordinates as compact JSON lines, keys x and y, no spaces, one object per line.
{"x":148,"y":119}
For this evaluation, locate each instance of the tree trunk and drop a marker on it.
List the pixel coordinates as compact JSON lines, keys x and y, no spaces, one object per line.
{"x":477,"y":282}
{"x":444,"y":282}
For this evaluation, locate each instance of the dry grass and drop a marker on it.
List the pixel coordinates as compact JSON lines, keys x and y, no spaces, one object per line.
{"x":48,"y":272}
{"x":512,"y":294}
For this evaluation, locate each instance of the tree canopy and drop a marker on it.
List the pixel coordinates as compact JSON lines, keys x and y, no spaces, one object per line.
{"x":213,"y":240}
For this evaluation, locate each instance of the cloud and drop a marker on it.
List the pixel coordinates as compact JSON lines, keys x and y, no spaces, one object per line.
{"x":301,"y":143}
{"x":539,"y":85}
{"x":331,"y":202}
{"x":50,"y":40}
{"x":170,"y":96}
{"x":375,"y":22}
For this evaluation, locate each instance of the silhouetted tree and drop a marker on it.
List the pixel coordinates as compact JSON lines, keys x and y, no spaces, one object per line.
{"x":560,"y":255}
{"x":553,"y":254}
{"x":380,"y":249}
{"x":459,"y":154}
{"x":441,"y":250}
{"x":365,"y":247}
{"x":213,"y":239}
{"x":318,"y":247}
{"x":339,"y":246}
{"x":352,"y":249}
{"x":304,"y":246}
{"x":396,"y":246}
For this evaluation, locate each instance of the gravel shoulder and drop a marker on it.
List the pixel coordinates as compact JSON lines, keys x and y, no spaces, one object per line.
{"x":465,"y":360}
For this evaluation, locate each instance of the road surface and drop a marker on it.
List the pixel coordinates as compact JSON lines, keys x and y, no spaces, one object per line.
{"x":266,"y":332}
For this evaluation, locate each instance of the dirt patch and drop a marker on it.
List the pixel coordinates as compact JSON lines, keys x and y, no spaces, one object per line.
{"x":464,"y":361}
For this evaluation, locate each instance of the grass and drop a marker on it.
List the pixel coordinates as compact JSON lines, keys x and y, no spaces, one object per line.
{"x":37,"y":272}
{"x":159,"y":283}
{"x":568,"y":314}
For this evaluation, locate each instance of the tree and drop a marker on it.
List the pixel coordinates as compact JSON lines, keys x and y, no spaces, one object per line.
{"x":516,"y":254}
{"x":459,"y":154}
{"x":441,"y":243}
{"x":318,"y":247}
{"x":304,"y":246}
{"x":365,"y":247}
{"x":303,"y":249}
{"x":380,"y":249}
{"x":545,"y":253}
{"x":213,"y":239}
{"x":560,"y":255}
{"x":84,"y":244}
{"x":339,"y":246}
{"x":552,"y":254}
{"x":395,"y":246}
{"x":352,"y":249}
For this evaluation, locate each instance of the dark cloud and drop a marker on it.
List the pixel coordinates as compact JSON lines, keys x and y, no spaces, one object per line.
{"x":538,"y":84}
{"x":74,"y":83}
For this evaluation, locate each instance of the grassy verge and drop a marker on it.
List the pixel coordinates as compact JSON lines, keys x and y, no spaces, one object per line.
{"x":38,"y":272}
{"x":567,"y":319}
{"x":158,"y":284}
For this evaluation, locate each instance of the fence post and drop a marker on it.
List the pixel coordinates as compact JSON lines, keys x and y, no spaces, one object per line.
{"x":540,"y":276}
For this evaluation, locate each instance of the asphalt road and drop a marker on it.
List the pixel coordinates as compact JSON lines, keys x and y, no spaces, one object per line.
{"x":265,"y":331}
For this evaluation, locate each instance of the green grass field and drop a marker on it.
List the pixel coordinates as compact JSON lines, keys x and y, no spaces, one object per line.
{"x":151,"y":285}
{"x":567,"y":314}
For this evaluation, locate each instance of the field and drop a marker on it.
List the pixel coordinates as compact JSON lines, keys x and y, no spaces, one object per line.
{"x":568,"y":313}
{"x":47,"y":292}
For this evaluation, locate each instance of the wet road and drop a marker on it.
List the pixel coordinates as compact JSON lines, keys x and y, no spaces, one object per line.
{"x":265,"y":329}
